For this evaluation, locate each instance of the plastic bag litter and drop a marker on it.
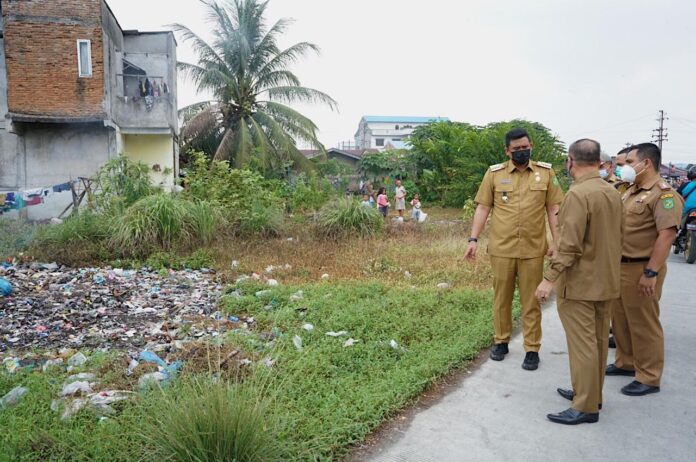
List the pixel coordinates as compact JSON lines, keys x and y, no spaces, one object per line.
{"x":153,"y":378}
{"x":297,"y":296}
{"x":5,"y":288}
{"x":297,"y":341}
{"x":13,"y":397}
{"x":77,"y":360}
{"x":444,"y":285}
{"x":150,"y":357}
{"x":337,"y":334}
{"x":350,"y":342}
{"x":308,"y":327}
{"x":74,"y":388}
{"x":422,"y":217}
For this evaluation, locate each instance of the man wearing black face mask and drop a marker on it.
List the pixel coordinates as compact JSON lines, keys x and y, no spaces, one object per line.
{"x":520,"y":193}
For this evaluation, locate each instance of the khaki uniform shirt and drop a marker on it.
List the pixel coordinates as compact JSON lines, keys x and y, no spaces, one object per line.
{"x":612,"y":180}
{"x":518,"y":201}
{"x":587,"y":262}
{"x":649,"y":209}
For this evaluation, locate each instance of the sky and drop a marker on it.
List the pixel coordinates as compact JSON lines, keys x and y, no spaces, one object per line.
{"x":597,"y":69}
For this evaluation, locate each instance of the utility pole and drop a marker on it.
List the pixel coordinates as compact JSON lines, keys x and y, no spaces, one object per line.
{"x":660,"y":134}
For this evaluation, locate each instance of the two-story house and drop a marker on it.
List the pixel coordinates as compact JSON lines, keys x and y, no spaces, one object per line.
{"x":76,"y":90}
{"x":382,"y":132}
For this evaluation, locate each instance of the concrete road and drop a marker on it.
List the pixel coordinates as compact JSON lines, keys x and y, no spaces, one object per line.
{"x":499,"y":412}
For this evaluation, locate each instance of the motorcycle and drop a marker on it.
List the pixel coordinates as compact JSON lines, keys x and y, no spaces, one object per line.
{"x":686,"y":239}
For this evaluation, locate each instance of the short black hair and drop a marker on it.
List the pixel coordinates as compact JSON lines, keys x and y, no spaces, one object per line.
{"x":649,"y":151}
{"x":515,"y":134}
{"x":624,"y":151}
{"x":585,"y":151}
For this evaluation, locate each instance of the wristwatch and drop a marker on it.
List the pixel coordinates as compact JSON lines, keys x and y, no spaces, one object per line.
{"x":473,"y":239}
{"x":650,"y":273}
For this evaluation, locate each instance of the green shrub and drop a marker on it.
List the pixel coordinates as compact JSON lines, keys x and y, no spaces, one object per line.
{"x":164,"y":260}
{"x":15,"y":237}
{"x":310,"y":193}
{"x":259,"y":220}
{"x":164,"y":222}
{"x":78,"y":239}
{"x":347,"y":216}
{"x":199,"y":259}
{"x":123,"y":182}
{"x":214,"y":421}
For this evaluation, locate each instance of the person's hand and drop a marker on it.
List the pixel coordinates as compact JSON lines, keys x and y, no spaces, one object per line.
{"x":551,"y":252}
{"x":470,"y":253}
{"x":647,"y":286}
{"x":543,"y":292}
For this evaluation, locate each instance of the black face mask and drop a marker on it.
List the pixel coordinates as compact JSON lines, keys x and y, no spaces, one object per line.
{"x":521,"y":157}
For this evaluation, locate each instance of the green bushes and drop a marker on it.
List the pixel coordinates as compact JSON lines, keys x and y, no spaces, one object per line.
{"x":214,"y":421}
{"x":347,"y":216}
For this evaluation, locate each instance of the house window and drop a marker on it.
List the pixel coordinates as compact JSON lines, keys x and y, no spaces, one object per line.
{"x":84,"y":58}
{"x":379,"y":142}
{"x":396,"y":139}
{"x":396,"y":127}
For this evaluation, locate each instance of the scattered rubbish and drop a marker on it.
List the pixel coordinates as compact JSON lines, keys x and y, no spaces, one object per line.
{"x":308,"y":327}
{"x":337,"y":334}
{"x":269,"y":269}
{"x":444,"y":285}
{"x":11,"y":364}
{"x":396,"y":346}
{"x":5,"y":288}
{"x":58,"y":362}
{"x":52,"y":307}
{"x":74,"y":388}
{"x":325,"y":276}
{"x":77,"y":360}
{"x":150,"y":357}
{"x":85,"y":376}
{"x":407,"y":274}
{"x":297,"y":296}
{"x":153,"y":378}
{"x":350,"y":342}
{"x":297,"y":341}
{"x":263,"y":293}
{"x":71,"y":408}
{"x":290,"y":239}
{"x":234,"y":265}
{"x":13,"y":397}
{"x":268,"y":362}
{"x":272,"y":282}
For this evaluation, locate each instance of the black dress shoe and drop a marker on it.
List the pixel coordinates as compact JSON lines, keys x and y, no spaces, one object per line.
{"x":612,"y":342}
{"x":636,"y":388}
{"x":613,"y":370}
{"x":572,"y":417}
{"x":531,"y":361}
{"x":499,"y":351}
{"x":570,"y":394}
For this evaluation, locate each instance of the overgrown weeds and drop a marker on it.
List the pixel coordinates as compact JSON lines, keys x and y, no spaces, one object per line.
{"x":348,"y":217}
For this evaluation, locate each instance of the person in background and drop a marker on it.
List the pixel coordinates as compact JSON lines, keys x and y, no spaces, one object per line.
{"x":606,"y":169}
{"x":383,"y":202}
{"x":400,"y":198}
{"x":416,"y":204}
{"x":622,"y":185}
{"x":366,"y":200}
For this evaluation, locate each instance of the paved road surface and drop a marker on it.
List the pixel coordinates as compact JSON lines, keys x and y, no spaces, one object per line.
{"x":499,"y":412}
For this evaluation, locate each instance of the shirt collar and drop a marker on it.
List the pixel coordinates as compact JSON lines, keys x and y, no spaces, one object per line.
{"x":511,"y":167}
{"x":651,"y":182}
{"x":587,"y":176}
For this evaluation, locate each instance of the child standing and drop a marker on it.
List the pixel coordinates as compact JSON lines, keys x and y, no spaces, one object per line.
{"x":383,"y":202}
{"x":416,"y":204}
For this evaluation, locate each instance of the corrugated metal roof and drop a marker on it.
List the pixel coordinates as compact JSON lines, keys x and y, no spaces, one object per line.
{"x":404,"y":119}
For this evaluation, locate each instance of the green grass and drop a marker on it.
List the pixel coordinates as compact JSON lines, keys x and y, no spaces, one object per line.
{"x":325,"y":397}
{"x":347,"y":216}
{"x":15,"y":237}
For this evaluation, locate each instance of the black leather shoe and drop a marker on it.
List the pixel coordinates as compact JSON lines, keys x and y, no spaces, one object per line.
{"x":572,"y":417}
{"x":636,"y":388}
{"x":570,"y":394}
{"x":612,"y":342}
{"x":531,"y":361}
{"x":499,"y":351}
{"x":613,"y":370}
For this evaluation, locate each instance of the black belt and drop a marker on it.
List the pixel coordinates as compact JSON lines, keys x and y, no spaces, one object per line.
{"x":634,"y":260}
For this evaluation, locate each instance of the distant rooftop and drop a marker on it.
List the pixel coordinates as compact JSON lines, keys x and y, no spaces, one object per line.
{"x":404,"y":119}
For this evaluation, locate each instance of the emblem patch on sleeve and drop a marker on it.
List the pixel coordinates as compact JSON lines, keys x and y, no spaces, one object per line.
{"x":668,"y":203}
{"x":555,"y":181}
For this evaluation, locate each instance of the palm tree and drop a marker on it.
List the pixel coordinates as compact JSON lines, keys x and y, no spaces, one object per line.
{"x":247,"y":73}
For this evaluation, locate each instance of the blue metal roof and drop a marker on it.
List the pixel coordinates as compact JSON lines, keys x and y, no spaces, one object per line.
{"x":404,"y":120}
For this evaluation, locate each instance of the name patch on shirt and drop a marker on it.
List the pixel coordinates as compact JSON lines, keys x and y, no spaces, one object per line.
{"x":506,"y":181}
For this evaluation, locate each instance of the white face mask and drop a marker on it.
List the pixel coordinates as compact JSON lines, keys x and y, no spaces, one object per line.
{"x":603,"y":173}
{"x":628,"y":173}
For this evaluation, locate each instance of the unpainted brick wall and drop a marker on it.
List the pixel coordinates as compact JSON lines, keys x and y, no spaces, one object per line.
{"x":41,"y":54}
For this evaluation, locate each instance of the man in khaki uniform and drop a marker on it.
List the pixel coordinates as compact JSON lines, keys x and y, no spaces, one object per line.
{"x":520,"y":193}
{"x":652,"y":211}
{"x":606,"y":169}
{"x":586,"y":272}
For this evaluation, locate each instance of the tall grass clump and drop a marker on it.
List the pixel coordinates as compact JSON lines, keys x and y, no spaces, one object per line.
{"x":201,"y":421}
{"x":347,"y":216}
{"x":164,"y":222}
{"x":82,"y":237}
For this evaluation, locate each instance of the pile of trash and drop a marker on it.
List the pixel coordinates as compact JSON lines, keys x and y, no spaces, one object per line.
{"x":52,"y":307}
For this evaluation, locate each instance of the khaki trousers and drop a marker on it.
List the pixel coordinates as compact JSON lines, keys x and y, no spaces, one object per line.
{"x":528,"y":273}
{"x":640,"y":343}
{"x":586,"y":324}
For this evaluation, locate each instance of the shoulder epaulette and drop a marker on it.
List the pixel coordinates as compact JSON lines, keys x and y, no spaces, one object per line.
{"x":496,"y":167}
{"x":665,"y":186}
{"x":544,"y":164}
